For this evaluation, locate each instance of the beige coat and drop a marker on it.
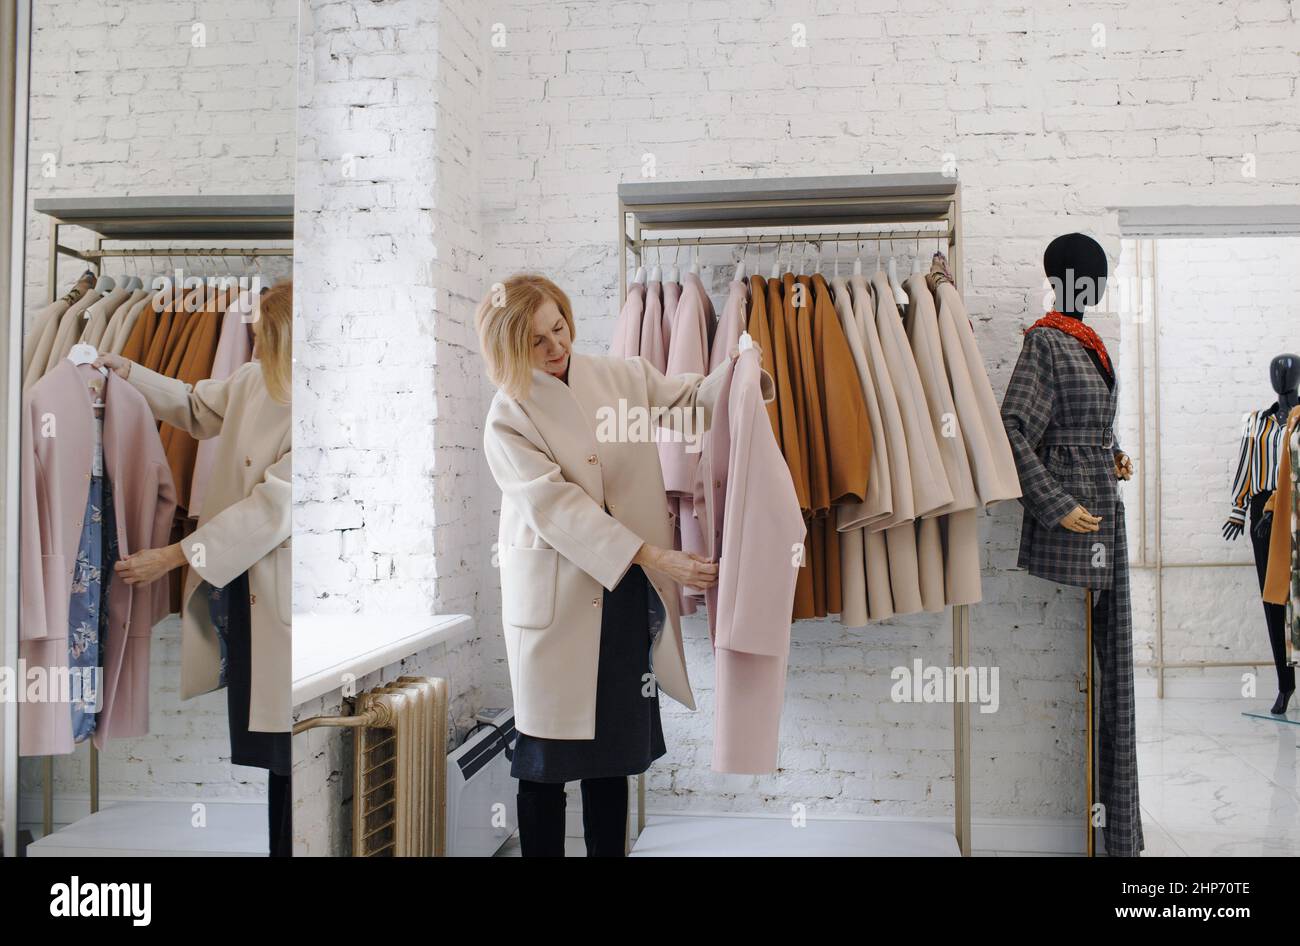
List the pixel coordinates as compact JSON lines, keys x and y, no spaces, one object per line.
{"x":41,"y":356}
{"x":578,"y":499}
{"x":245,"y":526}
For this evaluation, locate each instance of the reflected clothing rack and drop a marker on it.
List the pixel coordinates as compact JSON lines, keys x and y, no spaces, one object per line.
{"x":257,"y":222}
{"x":834,"y":202}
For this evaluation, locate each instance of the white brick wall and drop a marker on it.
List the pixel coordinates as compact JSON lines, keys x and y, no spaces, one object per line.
{"x":126,"y":104}
{"x":1049,"y":133}
{"x":388,"y":393}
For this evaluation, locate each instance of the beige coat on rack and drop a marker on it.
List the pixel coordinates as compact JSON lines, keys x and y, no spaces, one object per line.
{"x":245,"y":526}
{"x":48,"y":316}
{"x":119,"y":330}
{"x":41,"y":360}
{"x":97,"y":331}
{"x":71,"y":328}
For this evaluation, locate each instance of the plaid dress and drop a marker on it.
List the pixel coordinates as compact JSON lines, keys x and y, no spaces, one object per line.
{"x":1058,"y":413}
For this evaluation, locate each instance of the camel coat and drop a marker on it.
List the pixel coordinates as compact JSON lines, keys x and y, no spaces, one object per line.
{"x":99,"y":314}
{"x":1277,"y":585}
{"x":245,"y":527}
{"x":47,"y":320}
{"x":58,"y":434}
{"x":580,"y":494}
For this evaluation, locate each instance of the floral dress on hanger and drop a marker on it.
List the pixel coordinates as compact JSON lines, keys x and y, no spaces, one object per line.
{"x":88,"y":606}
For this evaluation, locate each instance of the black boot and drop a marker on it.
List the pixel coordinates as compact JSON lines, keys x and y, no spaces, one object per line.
{"x":604,"y":816}
{"x":541,"y":823}
{"x":1279,"y":705}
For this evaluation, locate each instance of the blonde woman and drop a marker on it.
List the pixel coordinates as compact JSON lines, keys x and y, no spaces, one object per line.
{"x":589,"y":577}
{"x":235,"y":615}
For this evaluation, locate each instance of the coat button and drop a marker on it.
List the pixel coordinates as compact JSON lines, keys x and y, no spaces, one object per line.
{"x":248,"y":461}
{"x":593,"y":459}
{"x":595,"y":602}
{"x":252,"y":599}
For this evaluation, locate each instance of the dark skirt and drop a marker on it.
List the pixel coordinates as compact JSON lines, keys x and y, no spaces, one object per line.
{"x":628,"y":732}
{"x":230,"y":613}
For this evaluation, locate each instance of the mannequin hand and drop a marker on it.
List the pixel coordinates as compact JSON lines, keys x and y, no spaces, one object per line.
{"x":1080,"y":520}
{"x":685,"y":568}
{"x":115,"y":363}
{"x":1264,"y":528}
{"x":149,"y":564}
{"x":1232,"y":529}
{"x":1123,"y":466}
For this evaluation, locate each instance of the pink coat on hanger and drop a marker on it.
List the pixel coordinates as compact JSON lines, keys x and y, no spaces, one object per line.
{"x":234,"y":348}
{"x":627,"y":330}
{"x":762,"y":528}
{"x":58,"y":435}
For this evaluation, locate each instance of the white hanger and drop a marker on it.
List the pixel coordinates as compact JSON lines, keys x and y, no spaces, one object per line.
{"x":640,"y":275}
{"x":674,"y":274}
{"x":916,"y":260}
{"x":83,"y":354}
{"x":900,"y":296}
{"x":857,"y":260}
{"x":740,"y":267}
{"x":776,"y":261}
{"x":746,"y":341}
{"x":695,"y":258}
{"x":104,"y":284}
{"x":656,"y":272}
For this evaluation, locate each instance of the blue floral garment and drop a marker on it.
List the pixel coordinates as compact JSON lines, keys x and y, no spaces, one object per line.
{"x":88,"y":605}
{"x":219,"y":609}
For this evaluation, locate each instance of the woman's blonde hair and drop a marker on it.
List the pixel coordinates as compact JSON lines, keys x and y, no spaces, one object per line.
{"x":505,"y":328}
{"x":274,"y":327}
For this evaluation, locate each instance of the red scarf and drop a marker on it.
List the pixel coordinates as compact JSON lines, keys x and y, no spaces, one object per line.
{"x":1075,"y":328}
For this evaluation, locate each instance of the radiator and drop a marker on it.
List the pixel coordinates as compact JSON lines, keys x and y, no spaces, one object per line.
{"x":399,"y":802}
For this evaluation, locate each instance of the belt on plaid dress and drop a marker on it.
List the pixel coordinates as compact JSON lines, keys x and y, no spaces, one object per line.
{"x":1079,"y":437}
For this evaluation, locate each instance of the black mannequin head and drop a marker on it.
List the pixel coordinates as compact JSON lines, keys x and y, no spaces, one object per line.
{"x":1076,"y":266}
{"x":1284,"y":373}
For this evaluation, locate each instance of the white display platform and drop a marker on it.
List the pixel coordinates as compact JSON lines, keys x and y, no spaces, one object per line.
{"x":161,"y":829}
{"x":699,"y":836}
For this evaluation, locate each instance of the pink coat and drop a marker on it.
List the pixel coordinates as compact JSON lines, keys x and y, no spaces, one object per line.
{"x":234,"y":348}
{"x":761,"y":529}
{"x":58,"y":430}
{"x":627,"y":330}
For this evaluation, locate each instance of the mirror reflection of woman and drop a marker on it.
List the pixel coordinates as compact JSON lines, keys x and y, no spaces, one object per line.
{"x":235,"y":615}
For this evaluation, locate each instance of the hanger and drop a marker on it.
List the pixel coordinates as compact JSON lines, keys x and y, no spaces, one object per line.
{"x":674,"y":274}
{"x":695,"y":258}
{"x":656,"y":272}
{"x":916,"y":259}
{"x":740,"y":266}
{"x":776,"y":260}
{"x":900,"y":296}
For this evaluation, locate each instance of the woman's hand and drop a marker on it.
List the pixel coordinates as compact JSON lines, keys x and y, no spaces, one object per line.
{"x":685,"y":568}
{"x":1080,"y":520}
{"x":1123,"y":466}
{"x":149,"y":564}
{"x":115,"y":363}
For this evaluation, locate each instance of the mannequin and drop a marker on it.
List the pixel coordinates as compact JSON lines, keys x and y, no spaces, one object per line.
{"x":1253,"y":483}
{"x":1059,"y":413}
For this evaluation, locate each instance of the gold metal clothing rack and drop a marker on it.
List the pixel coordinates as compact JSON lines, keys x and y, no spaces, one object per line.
{"x":883,"y":200}
{"x":255,"y":219}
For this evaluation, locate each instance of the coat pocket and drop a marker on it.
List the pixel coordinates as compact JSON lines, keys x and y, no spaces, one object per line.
{"x":284,"y":584}
{"x":528,"y":577}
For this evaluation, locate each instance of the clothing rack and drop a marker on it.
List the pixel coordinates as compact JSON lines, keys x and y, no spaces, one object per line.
{"x":877,"y":200}
{"x":255,"y":219}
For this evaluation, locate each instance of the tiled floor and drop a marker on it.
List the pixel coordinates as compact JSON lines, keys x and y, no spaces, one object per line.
{"x":1212,"y":782}
{"x":1216,"y":783}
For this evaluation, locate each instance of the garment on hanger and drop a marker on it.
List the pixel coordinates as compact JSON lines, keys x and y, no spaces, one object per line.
{"x":762,"y":526}
{"x":1258,"y":459}
{"x":1059,"y":414}
{"x":627,"y":328}
{"x":651,"y":346}
{"x":1282,"y":549}
{"x":119,"y":329}
{"x":57,"y":473}
{"x":97,"y":316}
{"x":47,"y":321}
{"x":101,"y":335}
{"x":59,"y":336}
{"x":672,"y":292}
